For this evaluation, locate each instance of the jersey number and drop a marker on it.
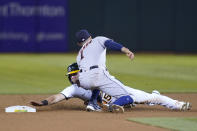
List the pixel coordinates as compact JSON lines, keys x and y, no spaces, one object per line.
{"x":107,"y":97}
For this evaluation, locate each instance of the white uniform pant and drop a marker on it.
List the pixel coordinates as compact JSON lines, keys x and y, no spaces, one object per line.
{"x":153,"y":99}
{"x":99,"y":78}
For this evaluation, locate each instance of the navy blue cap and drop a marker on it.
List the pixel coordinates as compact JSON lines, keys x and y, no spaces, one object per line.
{"x":82,"y":35}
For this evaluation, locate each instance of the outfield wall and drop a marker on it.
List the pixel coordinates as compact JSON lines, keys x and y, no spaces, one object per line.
{"x":141,"y":25}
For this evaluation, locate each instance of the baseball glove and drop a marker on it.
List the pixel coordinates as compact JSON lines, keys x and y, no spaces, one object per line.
{"x":34,"y":103}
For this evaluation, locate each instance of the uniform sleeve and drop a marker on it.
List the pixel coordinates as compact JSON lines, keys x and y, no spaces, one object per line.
{"x":68,"y":92}
{"x":110,"y":44}
{"x":102,"y":40}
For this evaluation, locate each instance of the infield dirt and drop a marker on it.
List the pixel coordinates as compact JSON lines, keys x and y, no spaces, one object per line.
{"x":71,"y":115}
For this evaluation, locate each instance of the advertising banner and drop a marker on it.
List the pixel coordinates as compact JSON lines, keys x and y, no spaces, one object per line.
{"x":33,"y":26}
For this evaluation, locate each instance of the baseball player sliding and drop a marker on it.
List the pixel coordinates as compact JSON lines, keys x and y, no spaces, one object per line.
{"x":139,"y":97}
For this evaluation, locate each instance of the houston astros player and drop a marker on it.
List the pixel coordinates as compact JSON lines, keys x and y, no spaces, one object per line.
{"x":139,"y":97}
{"x":93,"y":74}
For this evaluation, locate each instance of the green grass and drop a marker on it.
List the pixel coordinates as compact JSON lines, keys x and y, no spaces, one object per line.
{"x":45,"y":73}
{"x":175,"y":123}
{"x":33,"y":73}
{"x":166,"y":73}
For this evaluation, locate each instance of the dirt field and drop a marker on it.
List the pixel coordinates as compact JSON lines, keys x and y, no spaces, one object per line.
{"x":71,"y":115}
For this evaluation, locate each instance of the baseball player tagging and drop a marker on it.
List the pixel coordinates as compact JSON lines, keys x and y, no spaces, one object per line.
{"x":93,"y":74}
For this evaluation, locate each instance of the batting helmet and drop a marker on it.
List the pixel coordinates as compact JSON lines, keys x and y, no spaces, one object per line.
{"x":72,"y":70}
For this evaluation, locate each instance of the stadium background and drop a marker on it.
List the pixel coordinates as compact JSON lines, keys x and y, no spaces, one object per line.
{"x":141,"y":25}
{"x":36,"y":37}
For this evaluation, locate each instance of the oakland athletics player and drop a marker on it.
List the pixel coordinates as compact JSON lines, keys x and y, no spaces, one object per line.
{"x":72,"y":91}
{"x":140,"y":97}
{"x":93,"y":74}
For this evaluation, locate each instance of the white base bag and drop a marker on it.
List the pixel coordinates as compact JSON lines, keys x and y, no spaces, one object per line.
{"x":20,"y":109}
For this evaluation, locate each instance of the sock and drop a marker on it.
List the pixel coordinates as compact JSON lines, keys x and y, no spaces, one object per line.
{"x":124,"y":100}
{"x":95,"y":94}
{"x":99,"y":99}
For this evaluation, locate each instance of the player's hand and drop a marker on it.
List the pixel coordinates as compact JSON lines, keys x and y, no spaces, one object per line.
{"x":128,"y":52}
{"x":35,"y":103}
{"x":130,"y":55}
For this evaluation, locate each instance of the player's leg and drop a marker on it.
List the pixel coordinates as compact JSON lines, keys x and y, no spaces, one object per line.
{"x":155,"y":98}
{"x":105,"y":82}
{"x":92,"y":104}
{"x":115,"y":88}
{"x":85,"y":80}
{"x":118,"y":105}
{"x":169,"y":102}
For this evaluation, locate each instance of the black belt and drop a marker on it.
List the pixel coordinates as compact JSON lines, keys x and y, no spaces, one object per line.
{"x":91,"y":67}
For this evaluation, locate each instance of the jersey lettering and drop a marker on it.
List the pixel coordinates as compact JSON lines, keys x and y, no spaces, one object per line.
{"x":81,"y":51}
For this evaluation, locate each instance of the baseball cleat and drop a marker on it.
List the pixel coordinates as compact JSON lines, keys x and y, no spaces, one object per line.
{"x":186,"y":106}
{"x":117,"y":109}
{"x":93,"y":107}
{"x":113,"y":108}
{"x":129,"y":106}
{"x":155,"y":92}
{"x":105,"y":107}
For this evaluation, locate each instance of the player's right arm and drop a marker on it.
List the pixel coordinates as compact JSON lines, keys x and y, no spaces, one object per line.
{"x":65,"y":94}
{"x":49,"y":101}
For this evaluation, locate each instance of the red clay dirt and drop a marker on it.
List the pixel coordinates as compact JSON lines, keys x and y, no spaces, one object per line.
{"x":71,"y":115}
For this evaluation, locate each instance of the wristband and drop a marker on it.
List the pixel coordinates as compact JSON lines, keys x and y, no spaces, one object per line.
{"x":45,"y":102}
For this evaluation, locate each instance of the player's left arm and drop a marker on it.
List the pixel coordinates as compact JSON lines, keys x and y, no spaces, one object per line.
{"x":110,"y":44}
{"x":49,"y":101}
{"x":127,"y":52}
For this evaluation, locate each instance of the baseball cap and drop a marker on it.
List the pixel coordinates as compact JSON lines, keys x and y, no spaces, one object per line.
{"x":82,"y":35}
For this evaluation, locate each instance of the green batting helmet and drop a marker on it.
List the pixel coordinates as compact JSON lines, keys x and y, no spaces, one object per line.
{"x":71,"y":70}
